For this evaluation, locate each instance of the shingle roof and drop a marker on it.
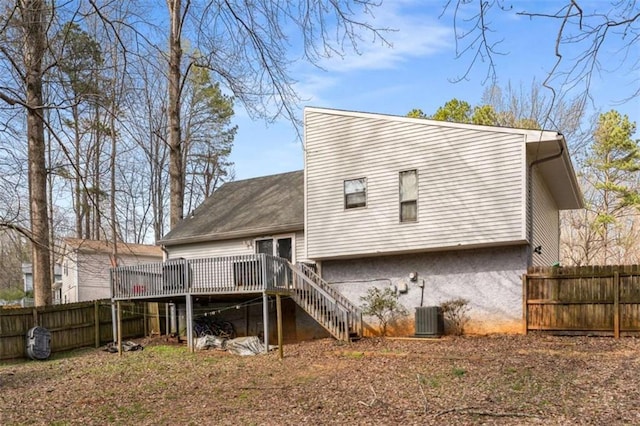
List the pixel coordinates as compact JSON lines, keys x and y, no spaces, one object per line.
{"x":251,"y":207}
{"x":96,"y":246}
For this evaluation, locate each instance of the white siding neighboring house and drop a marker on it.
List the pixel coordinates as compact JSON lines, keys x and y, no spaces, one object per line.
{"x":461,"y":208}
{"x":86,"y":263}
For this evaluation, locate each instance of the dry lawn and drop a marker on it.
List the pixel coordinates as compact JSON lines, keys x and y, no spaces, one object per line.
{"x":472,"y":380}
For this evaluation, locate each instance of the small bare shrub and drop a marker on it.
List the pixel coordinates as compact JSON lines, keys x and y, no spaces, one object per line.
{"x":455,"y":314}
{"x":384,"y":305}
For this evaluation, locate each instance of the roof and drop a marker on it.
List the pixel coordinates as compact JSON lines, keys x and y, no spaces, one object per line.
{"x":245,"y":208}
{"x":101,"y":246}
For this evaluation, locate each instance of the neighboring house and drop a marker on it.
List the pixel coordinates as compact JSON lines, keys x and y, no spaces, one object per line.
{"x":435,"y":210}
{"x":86,"y":264}
{"x":27,"y":276}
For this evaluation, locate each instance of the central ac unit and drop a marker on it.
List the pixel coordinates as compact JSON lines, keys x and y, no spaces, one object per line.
{"x":429,"y":321}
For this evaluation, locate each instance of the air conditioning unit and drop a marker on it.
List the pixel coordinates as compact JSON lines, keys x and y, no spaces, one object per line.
{"x":429,"y":321}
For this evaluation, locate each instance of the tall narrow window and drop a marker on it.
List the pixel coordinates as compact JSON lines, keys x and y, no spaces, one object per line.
{"x":409,"y":196}
{"x":355,"y":193}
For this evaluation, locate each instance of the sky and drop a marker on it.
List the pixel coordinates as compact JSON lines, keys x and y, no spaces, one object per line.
{"x":419,"y":71}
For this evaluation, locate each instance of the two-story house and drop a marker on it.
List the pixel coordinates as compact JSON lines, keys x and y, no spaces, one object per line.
{"x":434,"y":210}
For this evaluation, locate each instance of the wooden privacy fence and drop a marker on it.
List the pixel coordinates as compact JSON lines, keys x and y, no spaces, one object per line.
{"x":582,"y":300}
{"x":72,"y":325}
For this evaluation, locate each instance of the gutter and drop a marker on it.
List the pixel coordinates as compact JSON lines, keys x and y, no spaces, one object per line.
{"x":530,"y":195}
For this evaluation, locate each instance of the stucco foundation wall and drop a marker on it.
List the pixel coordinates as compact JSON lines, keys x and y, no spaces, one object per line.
{"x":491,"y":279}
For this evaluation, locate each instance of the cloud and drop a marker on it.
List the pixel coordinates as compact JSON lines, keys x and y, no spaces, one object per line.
{"x":415,"y":33}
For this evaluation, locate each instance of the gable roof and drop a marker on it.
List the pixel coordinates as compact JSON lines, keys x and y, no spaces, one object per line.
{"x":99,"y":246}
{"x":245,"y":208}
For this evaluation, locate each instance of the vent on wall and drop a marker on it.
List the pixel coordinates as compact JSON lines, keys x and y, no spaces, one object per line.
{"x":429,"y":321}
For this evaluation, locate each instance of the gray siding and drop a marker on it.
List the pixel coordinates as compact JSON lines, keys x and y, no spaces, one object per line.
{"x":489,"y":278}
{"x":546,"y":223}
{"x":471,"y":185}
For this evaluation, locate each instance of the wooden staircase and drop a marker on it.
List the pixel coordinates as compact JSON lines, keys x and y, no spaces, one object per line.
{"x":337,"y":314}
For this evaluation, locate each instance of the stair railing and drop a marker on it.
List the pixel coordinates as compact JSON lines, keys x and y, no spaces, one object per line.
{"x":335,"y":312}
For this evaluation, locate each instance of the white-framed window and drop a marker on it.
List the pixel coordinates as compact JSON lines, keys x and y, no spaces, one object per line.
{"x":355,"y":193}
{"x":408,"y":196}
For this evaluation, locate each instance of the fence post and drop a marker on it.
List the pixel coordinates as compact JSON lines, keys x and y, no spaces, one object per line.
{"x":525,"y":309}
{"x":616,"y":304}
{"x":96,"y":319}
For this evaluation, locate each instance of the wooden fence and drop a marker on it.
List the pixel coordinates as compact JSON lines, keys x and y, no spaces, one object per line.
{"x":72,"y":325}
{"x":582,"y":300}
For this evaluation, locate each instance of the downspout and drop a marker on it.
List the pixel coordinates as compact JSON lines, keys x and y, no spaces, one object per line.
{"x":530,"y":196}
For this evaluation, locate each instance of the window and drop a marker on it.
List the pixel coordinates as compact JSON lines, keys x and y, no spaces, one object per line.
{"x":409,"y":196}
{"x":355,"y":193}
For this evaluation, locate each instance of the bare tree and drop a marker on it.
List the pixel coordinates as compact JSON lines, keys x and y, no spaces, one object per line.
{"x":245,"y":46}
{"x":33,"y":16}
{"x":587,"y":28}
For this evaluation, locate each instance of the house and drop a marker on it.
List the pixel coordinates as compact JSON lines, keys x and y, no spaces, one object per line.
{"x":27,"y":276}
{"x":443,"y":210}
{"x":86,"y":263}
{"x":434,"y":210}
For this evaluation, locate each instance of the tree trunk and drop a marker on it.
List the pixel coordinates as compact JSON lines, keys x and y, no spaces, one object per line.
{"x":176,"y":179}
{"x":34,"y":49}
{"x":77,"y":179}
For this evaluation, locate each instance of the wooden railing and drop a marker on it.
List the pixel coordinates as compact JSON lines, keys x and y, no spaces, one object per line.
{"x":230,"y":274}
{"x":241,"y":274}
{"x":331,"y":309}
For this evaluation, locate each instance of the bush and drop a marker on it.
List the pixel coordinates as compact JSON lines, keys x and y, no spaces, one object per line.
{"x":384,"y":305}
{"x":11,"y":294}
{"x":455,"y":314}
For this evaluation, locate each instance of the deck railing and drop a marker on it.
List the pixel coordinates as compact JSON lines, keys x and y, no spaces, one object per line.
{"x":230,"y":274}
{"x":241,"y":274}
{"x":326,"y":305}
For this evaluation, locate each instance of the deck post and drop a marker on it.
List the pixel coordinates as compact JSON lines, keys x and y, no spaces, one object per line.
{"x":279,"y":316}
{"x":265,"y":320}
{"x":114,"y":322}
{"x":119,"y":329}
{"x":189,"y":321}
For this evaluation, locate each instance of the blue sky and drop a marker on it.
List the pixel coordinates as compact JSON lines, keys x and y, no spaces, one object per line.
{"x":418,"y":72}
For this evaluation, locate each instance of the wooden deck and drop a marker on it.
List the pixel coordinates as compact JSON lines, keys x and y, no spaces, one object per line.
{"x":258,"y":273}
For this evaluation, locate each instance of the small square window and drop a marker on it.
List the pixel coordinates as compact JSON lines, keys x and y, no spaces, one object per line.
{"x":355,"y":193}
{"x":409,"y":196}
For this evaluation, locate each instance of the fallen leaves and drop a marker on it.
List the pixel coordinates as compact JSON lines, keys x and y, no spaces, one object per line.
{"x":470,"y":380}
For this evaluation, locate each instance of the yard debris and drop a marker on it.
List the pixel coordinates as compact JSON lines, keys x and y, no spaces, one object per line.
{"x":244,"y":346}
{"x":211,"y":342}
{"x":127,"y":346}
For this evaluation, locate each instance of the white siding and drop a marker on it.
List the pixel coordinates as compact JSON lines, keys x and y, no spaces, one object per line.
{"x":545,"y":223}
{"x":69,"y":279}
{"x":211,"y":249}
{"x":93,"y":273}
{"x":234,"y":247}
{"x":471,"y":185}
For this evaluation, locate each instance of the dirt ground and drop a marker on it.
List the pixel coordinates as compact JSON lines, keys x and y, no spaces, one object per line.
{"x":468,"y":380}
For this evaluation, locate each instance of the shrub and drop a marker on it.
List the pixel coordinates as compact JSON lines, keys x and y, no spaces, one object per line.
{"x":455,"y":314}
{"x":384,"y":305}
